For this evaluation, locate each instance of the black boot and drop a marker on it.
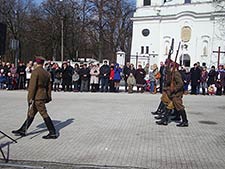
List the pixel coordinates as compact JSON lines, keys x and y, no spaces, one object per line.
{"x":184,"y":122}
{"x":51,"y":129}
{"x":177,"y":116}
{"x":165,"y":119}
{"x":158,"y":117}
{"x":160,"y":107}
{"x":24,"y":127}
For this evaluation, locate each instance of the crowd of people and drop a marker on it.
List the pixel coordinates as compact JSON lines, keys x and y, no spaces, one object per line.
{"x":107,"y":77}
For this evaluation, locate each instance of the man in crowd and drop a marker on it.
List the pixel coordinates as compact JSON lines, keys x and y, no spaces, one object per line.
{"x":104,"y":76}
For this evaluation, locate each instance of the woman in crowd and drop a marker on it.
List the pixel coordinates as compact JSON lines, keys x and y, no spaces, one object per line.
{"x":57,"y":72}
{"x":94,"y":78}
{"x":76,"y":78}
{"x":111,"y":79}
{"x":117,"y":77}
{"x":140,"y":78}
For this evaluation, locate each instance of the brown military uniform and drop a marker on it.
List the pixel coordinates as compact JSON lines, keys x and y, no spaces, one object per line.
{"x":39,"y":92}
{"x":177,"y":94}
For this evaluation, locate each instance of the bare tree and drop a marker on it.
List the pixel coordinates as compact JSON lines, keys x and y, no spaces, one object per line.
{"x":220,"y":10}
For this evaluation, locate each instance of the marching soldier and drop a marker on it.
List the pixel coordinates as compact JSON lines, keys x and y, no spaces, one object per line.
{"x":175,"y":94}
{"x":39,"y":93}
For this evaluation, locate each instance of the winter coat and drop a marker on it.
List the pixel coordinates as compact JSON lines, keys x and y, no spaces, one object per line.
{"x":117,"y":72}
{"x":66,"y":76}
{"x":131,"y":80}
{"x":195,"y":76}
{"x":94,"y":75}
{"x":84,"y":73}
{"x":211,"y":77}
{"x":104,"y":71}
{"x":140,"y":76}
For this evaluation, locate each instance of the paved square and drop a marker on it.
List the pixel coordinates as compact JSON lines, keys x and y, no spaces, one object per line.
{"x":118,"y":131}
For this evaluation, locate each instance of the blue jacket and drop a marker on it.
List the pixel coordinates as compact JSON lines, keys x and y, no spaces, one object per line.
{"x":117,"y":71}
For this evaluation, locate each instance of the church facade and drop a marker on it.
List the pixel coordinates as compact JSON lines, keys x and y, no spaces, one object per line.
{"x":197,"y":24}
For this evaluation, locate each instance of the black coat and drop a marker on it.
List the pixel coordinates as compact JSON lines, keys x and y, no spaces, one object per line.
{"x":104,"y":70}
{"x":195,"y":76}
{"x":66,"y":76}
{"x":211,"y":77}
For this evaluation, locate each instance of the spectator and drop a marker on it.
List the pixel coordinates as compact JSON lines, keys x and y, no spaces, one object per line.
{"x":66,"y":78}
{"x":140,"y":78}
{"x":111,"y":79}
{"x":104,"y":76}
{"x":211,"y":76}
{"x":187,"y":77}
{"x":220,"y":80}
{"x":84,"y":75}
{"x":195,"y":78}
{"x":146,"y":68}
{"x":76,"y":78}
{"x":21,"y":71}
{"x":126,"y":72}
{"x":94,"y":78}
{"x":117,"y":77}
{"x":57,"y":73}
{"x":131,"y":81}
{"x":9,"y":81}
{"x":28,"y":73}
{"x":2,"y":79}
{"x":203,"y":80}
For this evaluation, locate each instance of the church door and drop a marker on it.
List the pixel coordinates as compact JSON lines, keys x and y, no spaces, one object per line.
{"x":185,"y":60}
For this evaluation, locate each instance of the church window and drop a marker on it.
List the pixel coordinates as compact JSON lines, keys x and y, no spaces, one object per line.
{"x":147,"y":2}
{"x":145,"y":32}
{"x":205,"y":48}
{"x":166,"y":51}
{"x":142,"y":50}
{"x":187,"y":1}
{"x":147,"y":49}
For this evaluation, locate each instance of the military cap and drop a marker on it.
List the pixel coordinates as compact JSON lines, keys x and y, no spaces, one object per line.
{"x":39,"y":59}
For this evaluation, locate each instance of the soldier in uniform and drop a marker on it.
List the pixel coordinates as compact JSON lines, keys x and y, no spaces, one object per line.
{"x":175,"y":93}
{"x":39,"y":93}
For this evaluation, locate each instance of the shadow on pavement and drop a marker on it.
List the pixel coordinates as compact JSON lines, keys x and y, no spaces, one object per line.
{"x":58,"y":126}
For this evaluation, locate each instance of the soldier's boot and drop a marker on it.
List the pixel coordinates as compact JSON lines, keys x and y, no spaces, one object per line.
{"x":177,"y":116}
{"x":52,"y":133}
{"x":165,"y":119}
{"x":23,"y":129}
{"x":184,"y":122}
{"x":160,"y":107}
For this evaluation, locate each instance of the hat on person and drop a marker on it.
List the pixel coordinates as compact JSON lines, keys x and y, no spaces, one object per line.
{"x":39,"y":60}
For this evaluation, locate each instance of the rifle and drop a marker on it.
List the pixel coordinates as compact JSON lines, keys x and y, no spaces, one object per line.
{"x":174,"y":66}
{"x":171,"y":49}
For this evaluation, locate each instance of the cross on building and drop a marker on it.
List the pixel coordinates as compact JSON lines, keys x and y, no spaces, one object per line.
{"x":219,"y":52}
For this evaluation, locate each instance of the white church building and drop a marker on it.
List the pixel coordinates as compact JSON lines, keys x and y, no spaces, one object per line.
{"x":197,"y":24}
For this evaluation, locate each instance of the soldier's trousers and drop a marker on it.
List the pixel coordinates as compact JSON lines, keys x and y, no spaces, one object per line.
{"x":178,"y":103}
{"x":38,"y":106}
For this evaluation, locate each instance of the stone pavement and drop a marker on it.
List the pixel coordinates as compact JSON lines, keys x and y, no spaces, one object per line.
{"x":108,"y":130}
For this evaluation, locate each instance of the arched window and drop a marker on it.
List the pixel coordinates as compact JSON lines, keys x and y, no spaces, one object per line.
{"x":147,"y":2}
{"x":205,"y":48}
{"x":166,"y":47}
